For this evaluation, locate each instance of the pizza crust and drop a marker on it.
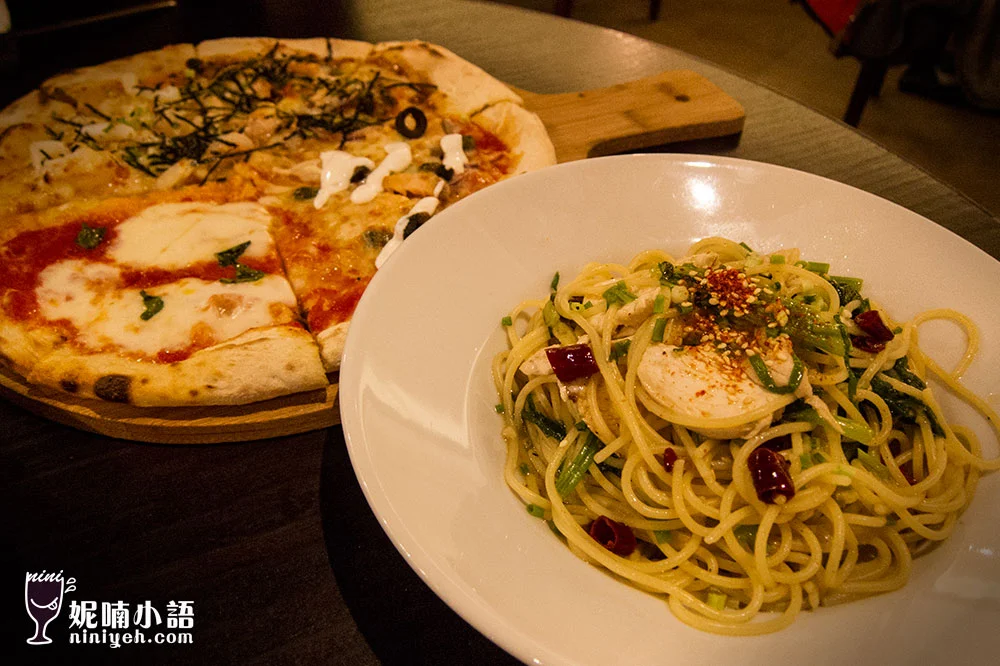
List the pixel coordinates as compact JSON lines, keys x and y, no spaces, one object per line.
{"x":522,"y":131}
{"x":255,"y":46}
{"x":468,"y":87}
{"x":283,"y":359}
{"x":142,"y":65}
{"x":331,"y":345}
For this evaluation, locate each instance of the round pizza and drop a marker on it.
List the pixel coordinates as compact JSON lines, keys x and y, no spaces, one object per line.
{"x":195,"y":225}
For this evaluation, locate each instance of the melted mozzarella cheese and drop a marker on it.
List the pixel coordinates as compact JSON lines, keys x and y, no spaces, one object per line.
{"x":175,"y":235}
{"x":336,"y":171}
{"x":698,"y":383}
{"x":85,"y":295}
{"x":194,"y":311}
{"x":454,"y":156}
{"x":398,"y":157}
{"x":426,"y":205}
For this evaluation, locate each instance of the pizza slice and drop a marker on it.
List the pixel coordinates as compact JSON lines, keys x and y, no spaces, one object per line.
{"x":156,"y":302}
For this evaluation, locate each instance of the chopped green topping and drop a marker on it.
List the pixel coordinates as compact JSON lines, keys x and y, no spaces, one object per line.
{"x":90,"y":237}
{"x":659,"y":304}
{"x":468,"y":142}
{"x":555,"y":282}
{"x":536,"y":511}
{"x":764,"y":375}
{"x":716,"y":600}
{"x":619,"y":293}
{"x":244,"y":274}
{"x":746,"y":535}
{"x":666,"y":271}
{"x":524,"y":469}
{"x":549,"y":314}
{"x":814,"y":266}
{"x":507,"y":321}
{"x":658,"y":328}
{"x":777,"y":258}
{"x":152,"y":305}
{"x":231,"y":256}
{"x":581,"y":425}
{"x":549,"y":427}
{"x":663,"y":536}
{"x":569,"y":477}
{"x":873,"y":463}
{"x":619,"y":349}
{"x":499,"y":407}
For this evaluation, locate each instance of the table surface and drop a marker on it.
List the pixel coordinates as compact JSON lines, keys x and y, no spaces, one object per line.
{"x":273,"y":540}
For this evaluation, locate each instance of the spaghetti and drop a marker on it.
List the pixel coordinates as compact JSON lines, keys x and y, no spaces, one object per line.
{"x":741,"y":432}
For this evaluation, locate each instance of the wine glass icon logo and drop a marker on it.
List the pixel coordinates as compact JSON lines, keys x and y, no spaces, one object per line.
{"x":43,"y":594}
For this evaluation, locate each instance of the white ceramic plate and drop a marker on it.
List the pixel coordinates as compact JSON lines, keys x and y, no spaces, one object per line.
{"x":418,"y":405}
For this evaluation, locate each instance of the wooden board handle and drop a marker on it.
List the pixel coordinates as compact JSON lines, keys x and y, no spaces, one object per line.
{"x":671,"y":106}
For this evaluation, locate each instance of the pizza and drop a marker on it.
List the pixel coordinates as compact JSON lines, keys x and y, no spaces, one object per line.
{"x":195,"y":225}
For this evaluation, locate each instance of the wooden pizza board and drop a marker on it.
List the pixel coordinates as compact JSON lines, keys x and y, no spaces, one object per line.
{"x":666,"y":108}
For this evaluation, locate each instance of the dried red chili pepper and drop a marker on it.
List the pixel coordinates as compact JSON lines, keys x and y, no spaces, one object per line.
{"x":782,"y":443}
{"x":871,"y":323}
{"x":865,"y":343}
{"x":614,"y":536}
{"x":669,"y":458}
{"x":572,"y":362}
{"x":769,"y":473}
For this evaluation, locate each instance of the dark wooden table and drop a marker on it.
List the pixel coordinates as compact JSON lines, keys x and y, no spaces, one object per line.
{"x":273,"y":540}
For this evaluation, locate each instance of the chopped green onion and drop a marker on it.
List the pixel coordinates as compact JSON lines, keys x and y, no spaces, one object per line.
{"x":573,"y":473}
{"x":777,"y":258}
{"x":794,"y":379}
{"x":852,"y":379}
{"x":660,"y":304}
{"x":873,"y":463}
{"x":499,"y":408}
{"x":619,"y":293}
{"x":619,"y":349}
{"x":663,"y":536}
{"x":856,"y":431}
{"x":549,"y":427}
{"x":549,"y":315}
{"x":524,"y":469}
{"x":536,"y":511}
{"x":555,"y":282}
{"x":814,"y":266}
{"x":746,"y":247}
{"x":581,"y":425}
{"x":552,"y":526}
{"x":305,"y":193}
{"x":716,"y":600}
{"x":746,"y":535}
{"x":685,"y":309}
{"x":658,"y":328}
{"x":806,"y":460}
{"x":507,"y":321}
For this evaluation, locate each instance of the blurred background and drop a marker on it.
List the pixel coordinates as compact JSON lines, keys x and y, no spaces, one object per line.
{"x":782,"y":44}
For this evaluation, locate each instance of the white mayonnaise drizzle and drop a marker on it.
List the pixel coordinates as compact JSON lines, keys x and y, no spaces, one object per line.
{"x":398,"y":157}
{"x":454,"y":156}
{"x":426,"y":205}
{"x":335,"y":176}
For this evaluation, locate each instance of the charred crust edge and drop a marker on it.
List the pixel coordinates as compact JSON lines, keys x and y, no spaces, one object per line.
{"x":114,"y":388}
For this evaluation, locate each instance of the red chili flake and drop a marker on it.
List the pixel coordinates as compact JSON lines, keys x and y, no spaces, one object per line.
{"x":871,"y":323}
{"x":669,"y":458}
{"x":572,"y":362}
{"x":614,"y":536}
{"x":864,"y":343}
{"x":769,"y":473}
